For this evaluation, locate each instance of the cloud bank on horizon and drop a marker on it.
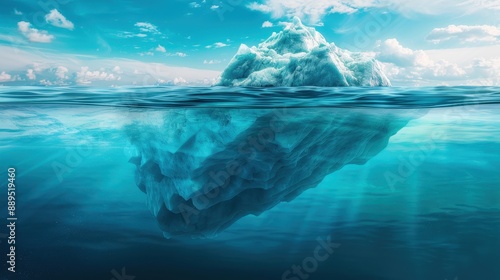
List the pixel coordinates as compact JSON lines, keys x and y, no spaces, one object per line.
{"x":92,"y":43}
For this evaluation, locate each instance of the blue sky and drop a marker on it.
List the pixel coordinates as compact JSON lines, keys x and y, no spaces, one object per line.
{"x":103,"y":43}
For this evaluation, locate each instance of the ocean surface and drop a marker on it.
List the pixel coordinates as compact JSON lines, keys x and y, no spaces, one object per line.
{"x":426,"y":205}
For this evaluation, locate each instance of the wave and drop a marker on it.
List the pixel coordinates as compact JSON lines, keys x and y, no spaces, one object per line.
{"x":247,"y":97}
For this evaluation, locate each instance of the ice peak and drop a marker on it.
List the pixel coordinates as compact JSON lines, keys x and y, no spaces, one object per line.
{"x":294,"y":38}
{"x":296,"y":23}
{"x":300,"y":56}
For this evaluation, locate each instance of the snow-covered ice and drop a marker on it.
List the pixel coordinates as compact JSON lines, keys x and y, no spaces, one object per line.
{"x":300,"y":56}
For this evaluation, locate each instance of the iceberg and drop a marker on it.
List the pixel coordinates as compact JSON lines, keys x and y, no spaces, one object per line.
{"x":301,"y":56}
{"x":203,"y":169}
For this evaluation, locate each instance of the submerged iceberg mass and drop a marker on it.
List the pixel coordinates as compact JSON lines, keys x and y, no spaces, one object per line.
{"x":203,"y":169}
{"x":300,"y":56}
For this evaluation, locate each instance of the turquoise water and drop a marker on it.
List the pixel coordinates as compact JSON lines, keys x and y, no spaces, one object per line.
{"x":425,"y":206}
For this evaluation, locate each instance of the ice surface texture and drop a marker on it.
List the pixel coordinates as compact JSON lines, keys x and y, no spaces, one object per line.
{"x":300,"y":56}
{"x":203,"y":169}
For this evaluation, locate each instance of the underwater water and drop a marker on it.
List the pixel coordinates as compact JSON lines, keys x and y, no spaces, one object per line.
{"x":358,"y":183}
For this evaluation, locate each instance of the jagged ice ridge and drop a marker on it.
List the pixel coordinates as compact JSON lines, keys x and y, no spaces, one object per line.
{"x":301,"y":56}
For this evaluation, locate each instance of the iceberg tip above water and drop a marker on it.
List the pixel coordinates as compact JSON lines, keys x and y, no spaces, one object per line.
{"x":301,"y":56}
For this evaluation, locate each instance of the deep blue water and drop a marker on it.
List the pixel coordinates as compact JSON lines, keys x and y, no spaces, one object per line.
{"x":427,"y":206}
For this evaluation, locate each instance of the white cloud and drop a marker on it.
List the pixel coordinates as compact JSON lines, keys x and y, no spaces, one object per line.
{"x":212,"y":61}
{"x":17,"y":13}
{"x":313,"y":11}
{"x":267,"y":24}
{"x":65,"y":69}
{"x":61,"y":72}
{"x":415,"y":67}
{"x":265,"y":8}
{"x":45,"y":82}
{"x":33,"y":34}
{"x":117,"y":69}
{"x":55,"y":18}
{"x":217,"y":45}
{"x":343,"y":8}
{"x":392,"y":51}
{"x":4,"y":77}
{"x":465,"y":34}
{"x":160,"y":48}
{"x":179,"y":81}
{"x":11,"y":39}
{"x":85,"y":76}
{"x":179,"y":54}
{"x":487,"y":69}
{"x":310,"y":11}
{"x":194,"y":5}
{"x":220,"y":45}
{"x":38,"y":67}
{"x":214,"y":7}
{"x":30,"y":74}
{"x":127,"y":34}
{"x":147,"y":27}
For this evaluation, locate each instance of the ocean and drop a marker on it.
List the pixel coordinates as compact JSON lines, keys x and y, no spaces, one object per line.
{"x":419,"y":199}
